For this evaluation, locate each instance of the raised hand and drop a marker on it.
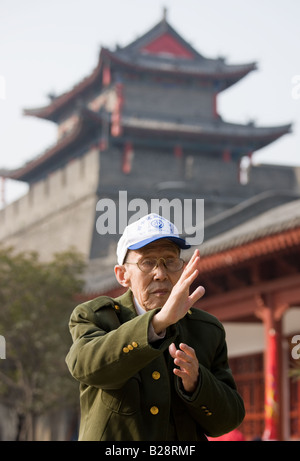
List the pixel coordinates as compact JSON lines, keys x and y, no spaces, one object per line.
{"x":180,"y":301}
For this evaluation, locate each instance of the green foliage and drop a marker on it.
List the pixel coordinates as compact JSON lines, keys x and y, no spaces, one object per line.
{"x":36,"y":300}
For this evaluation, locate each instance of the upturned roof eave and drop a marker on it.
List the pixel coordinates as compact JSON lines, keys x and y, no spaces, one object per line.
{"x":25,"y":172}
{"x":22,"y":174}
{"x":50,"y":112}
{"x":218,"y":129}
{"x":234,"y":72}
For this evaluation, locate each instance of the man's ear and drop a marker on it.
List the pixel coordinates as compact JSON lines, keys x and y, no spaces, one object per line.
{"x":122,"y":276}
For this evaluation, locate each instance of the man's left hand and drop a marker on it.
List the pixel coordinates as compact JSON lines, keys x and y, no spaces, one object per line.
{"x":185,"y":358}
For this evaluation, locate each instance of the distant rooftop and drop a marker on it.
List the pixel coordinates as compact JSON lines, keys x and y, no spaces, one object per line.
{"x":161,"y":50}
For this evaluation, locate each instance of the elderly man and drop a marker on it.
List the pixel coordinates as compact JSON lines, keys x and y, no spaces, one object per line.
{"x":150,"y":366}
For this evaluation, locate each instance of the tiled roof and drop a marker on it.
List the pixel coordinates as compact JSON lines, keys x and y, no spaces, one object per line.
{"x":28,"y":171}
{"x":275,"y":221}
{"x":136,"y":54}
{"x":206,"y":128}
{"x":134,"y":57}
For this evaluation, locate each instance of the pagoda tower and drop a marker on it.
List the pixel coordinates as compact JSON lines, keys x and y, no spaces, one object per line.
{"x":145,"y":121}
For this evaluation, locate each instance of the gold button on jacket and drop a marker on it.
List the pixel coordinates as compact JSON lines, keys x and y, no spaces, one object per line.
{"x":117,"y":369}
{"x":154,"y":410}
{"x":156,"y":375}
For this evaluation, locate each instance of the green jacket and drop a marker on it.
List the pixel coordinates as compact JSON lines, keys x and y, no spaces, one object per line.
{"x":128,"y":391}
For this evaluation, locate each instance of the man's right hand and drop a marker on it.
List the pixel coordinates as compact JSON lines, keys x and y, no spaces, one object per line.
{"x":180,"y":301}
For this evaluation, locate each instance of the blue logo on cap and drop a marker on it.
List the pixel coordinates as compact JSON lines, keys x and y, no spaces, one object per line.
{"x":157,"y":223}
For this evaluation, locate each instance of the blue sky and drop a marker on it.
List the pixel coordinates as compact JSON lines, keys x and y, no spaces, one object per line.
{"x":49,"y":46}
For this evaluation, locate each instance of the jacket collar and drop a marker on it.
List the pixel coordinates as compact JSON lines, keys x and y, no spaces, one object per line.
{"x":126,"y":301}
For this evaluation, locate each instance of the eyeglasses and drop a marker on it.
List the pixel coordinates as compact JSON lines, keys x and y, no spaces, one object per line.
{"x":147,"y":265}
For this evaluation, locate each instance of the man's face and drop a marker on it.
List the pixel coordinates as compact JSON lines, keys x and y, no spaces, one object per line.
{"x":152,"y":289}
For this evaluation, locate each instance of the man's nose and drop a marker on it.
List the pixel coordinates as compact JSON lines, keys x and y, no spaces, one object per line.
{"x":160,"y":271}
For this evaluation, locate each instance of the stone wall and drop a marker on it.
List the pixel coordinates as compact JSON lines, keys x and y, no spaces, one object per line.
{"x":60,"y":212}
{"x":160,"y":175}
{"x":155,"y":172}
{"x":57,"y":212}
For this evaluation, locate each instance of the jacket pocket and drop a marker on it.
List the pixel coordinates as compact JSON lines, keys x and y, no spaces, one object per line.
{"x":124,"y":401}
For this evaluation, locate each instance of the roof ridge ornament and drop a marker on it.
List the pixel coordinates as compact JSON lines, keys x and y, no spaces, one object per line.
{"x":165,"y":12}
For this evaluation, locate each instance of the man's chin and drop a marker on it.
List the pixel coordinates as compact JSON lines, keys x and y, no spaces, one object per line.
{"x":157,"y":300}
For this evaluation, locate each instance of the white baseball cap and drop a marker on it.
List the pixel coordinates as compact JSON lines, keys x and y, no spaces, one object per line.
{"x":146,"y":230}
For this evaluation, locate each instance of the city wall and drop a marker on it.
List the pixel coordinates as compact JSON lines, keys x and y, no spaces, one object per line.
{"x":57,"y":212}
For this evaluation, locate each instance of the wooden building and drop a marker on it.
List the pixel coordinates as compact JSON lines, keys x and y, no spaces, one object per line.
{"x":145,"y":121}
{"x":252,"y":279}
